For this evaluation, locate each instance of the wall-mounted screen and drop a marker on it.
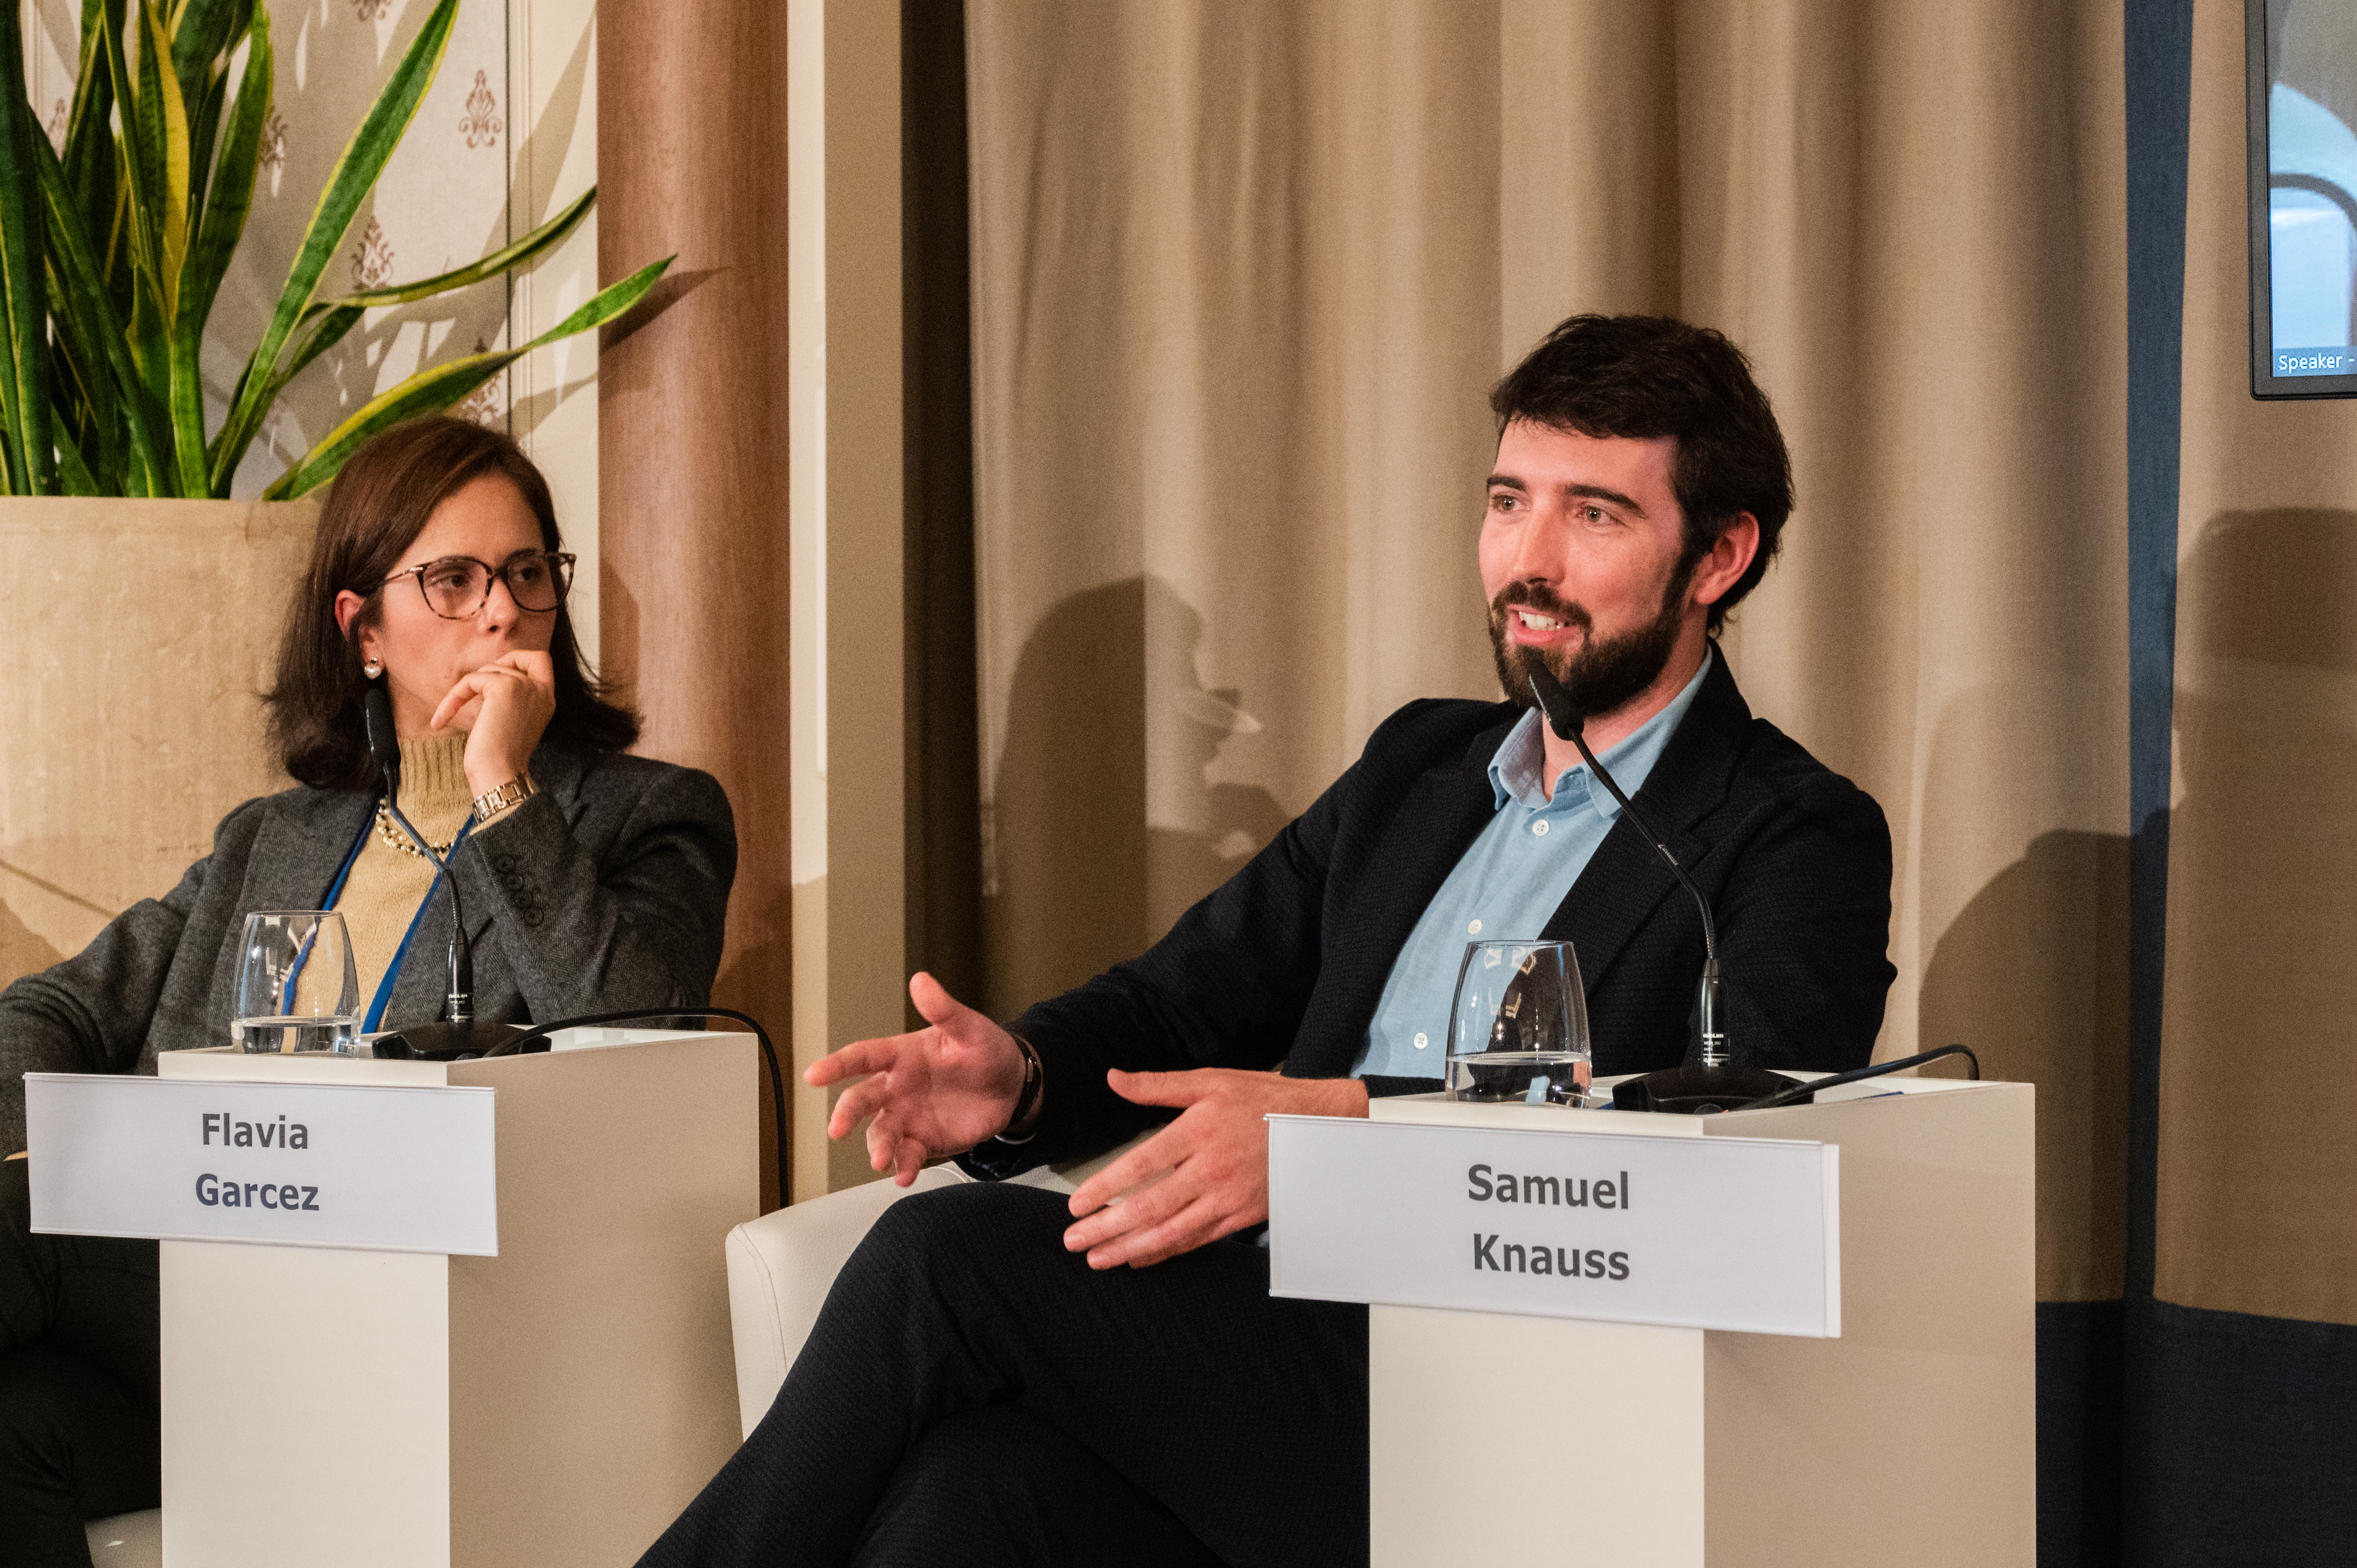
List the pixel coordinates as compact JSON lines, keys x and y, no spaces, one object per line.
{"x":2302,"y":74}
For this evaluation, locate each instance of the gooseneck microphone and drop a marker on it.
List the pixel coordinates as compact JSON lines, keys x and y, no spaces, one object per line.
{"x":1716,"y":1084}
{"x":458,"y":1033}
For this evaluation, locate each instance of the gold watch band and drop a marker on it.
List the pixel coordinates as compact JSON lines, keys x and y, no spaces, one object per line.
{"x":515,"y":791}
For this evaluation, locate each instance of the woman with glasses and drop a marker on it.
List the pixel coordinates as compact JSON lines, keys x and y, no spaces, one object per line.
{"x":591,"y":881}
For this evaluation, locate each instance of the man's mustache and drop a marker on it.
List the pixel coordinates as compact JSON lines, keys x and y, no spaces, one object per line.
{"x":1541,"y":598}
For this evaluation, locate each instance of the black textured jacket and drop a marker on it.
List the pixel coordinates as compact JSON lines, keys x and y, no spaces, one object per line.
{"x":1283,"y":965}
{"x":606,"y":890}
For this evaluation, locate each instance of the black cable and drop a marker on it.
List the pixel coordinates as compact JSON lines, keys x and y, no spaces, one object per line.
{"x":536,"y":1039}
{"x":1860,"y":1074}
{"x":1564,"y":717}
{"x":1595,"y":768}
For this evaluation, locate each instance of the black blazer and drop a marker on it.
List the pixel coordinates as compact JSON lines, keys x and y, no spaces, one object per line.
{"x":1283,"y":965}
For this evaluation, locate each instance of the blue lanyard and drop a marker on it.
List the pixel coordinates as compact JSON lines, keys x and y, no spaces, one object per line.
{"x":392,"y":970}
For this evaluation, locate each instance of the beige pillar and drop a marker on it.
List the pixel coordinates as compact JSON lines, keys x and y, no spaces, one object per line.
{"x":693,"y":431}
{"x":851,"y":731}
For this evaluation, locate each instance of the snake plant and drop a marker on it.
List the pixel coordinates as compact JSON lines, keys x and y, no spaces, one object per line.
{"x":113,"y":246}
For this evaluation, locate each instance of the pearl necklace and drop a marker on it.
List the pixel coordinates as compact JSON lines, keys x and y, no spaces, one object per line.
{"x":393,"y":835}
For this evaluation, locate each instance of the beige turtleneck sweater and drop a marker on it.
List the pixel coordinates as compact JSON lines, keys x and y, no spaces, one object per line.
{"x":380,"y":897}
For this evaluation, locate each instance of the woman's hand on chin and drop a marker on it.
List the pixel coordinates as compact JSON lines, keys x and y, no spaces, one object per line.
{"x":508,"y":703}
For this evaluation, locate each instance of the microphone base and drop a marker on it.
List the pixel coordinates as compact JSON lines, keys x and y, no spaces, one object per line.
{"x":444,"y":1042}
{"x":1700,"y":1091}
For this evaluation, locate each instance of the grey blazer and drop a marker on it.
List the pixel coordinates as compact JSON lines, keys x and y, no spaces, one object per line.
{"x":606,"y":890}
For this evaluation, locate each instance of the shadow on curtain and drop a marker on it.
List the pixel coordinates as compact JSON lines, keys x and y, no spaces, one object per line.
{"x":1090,"y":863}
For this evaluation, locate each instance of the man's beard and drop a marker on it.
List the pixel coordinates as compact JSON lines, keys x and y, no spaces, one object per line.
{"x":1605,"y":673}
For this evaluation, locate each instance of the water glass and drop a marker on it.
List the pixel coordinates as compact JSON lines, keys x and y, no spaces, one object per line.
{"x":1517,"y":1029}
{"x":296,"y":990}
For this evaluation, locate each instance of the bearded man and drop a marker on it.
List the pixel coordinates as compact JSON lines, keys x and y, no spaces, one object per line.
{"x":999,"y":1376}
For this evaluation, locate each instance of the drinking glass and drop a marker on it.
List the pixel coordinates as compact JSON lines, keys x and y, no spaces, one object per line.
{"x":1517,"y":1029}
{"x":297,"y":990}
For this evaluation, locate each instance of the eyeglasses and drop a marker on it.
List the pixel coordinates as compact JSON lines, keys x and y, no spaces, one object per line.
{"x":456,"y":585}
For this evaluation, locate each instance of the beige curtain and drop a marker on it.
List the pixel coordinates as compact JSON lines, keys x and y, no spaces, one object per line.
{"x":2257,"y":1161}
{"x":1243,"y":273}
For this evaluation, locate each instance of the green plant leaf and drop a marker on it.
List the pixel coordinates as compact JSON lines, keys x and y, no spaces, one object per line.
{"x":88,"y":150}
{"x":83,"y":410}
{"x":204,"y":127}
{"x":354,"y":176}
{"x":203,"y":35}
{"x":131,"y":241}
{"x":545,"y":238}
{"x":207,"y":259}
{"x":82,"y":302}
{"x":74,"y":478}
{"x":324,"y":332}
{"x":139,"y":96}
{"x":222,"y":220}
{"x":163,"y":115}
{"x":326,"y":321}
{"x":202,"y":32}
{"x":430,"y":391}
{"x":151,"y":351}
{"x":32,"y":466}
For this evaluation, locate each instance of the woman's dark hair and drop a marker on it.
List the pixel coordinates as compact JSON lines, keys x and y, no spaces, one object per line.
{"x":1645,"y":377}
{"x":376,"y":508}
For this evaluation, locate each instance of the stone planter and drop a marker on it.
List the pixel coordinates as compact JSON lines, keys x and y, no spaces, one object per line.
{"x":136,"y":637}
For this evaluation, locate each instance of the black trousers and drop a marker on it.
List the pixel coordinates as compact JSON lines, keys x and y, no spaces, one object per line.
{"x":974,"y":1395}
{"x":78,"y":1434}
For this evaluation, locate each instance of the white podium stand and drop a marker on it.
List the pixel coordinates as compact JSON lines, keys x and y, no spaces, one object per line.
{"x":1909,"y":1438}
{"x":557,"y":1404}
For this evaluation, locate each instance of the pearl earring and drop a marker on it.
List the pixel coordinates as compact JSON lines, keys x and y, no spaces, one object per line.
{"x":371,"y":668}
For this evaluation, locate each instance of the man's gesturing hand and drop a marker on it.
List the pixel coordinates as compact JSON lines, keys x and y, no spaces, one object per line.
{"x":940,"y":1090}
{"x":1213,"y":1163}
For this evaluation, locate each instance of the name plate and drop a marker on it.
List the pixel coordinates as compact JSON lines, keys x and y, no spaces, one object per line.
{"x":1739,"y":1233}
{"x":369,"y":1166}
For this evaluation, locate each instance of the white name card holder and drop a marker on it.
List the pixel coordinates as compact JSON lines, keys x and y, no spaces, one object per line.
{"x":557,"y":1403}
{"x":1740,"y":1233}
{"x":378,"y":1167}
{"x":1504,"y":1430}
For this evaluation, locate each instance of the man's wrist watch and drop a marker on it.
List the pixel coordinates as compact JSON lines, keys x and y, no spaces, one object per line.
{"x":1026,"y":1104}
{"x":514,"y":792}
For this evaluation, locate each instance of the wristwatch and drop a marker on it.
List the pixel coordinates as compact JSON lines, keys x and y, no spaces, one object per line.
{"x":1026,"y":1103}
{"x":515,"y":791}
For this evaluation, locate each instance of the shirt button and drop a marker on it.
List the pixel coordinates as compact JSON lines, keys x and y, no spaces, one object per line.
{"x":1474,"y":928}
{"x":1421,"y":1042}
{"x":1539,"y":828}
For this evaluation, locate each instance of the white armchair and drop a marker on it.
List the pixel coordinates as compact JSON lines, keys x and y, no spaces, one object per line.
{"x":127,"y":1540}
{"x":781,"y":1265}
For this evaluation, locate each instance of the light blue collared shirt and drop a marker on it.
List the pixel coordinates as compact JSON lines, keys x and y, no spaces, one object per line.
{"x":1510,"y":880}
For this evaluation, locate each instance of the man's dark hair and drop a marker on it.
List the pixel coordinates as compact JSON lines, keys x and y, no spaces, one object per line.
{"x":376,"y":508}
{"x":1647,"y":376}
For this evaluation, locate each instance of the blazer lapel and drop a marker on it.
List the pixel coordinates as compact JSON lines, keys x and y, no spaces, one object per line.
{"x":301,"y":846}
{"x":419,"y":992}
{"x":1625,"y":880}
{"x":424,"y":979}
{"x":1442,"y":813}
